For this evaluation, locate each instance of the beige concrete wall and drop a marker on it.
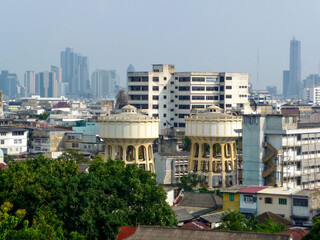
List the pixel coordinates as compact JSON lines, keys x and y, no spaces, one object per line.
{"x":275,"y":207}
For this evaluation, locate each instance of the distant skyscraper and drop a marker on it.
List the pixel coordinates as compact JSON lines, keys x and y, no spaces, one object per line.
{"x":272,"y":90}
{"x":75,"y":71}
{"x":295,"y":69}
{"x":48,"y":84}
{"x":9,"y":84}
{"x":58,"y":73}
{"x":30,"y":83}
{"x":104,"y":83}
{"x":130,"y":68}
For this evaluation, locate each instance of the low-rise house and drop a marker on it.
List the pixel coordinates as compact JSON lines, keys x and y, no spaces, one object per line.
{"x":276,"y":200}
{"x":13,"y":141}
{"x":213,"y":220}
{"x":305,"y":206}
{"x":84,"y":143}
{"x":231,"y":198}
{"x":47,"y":140}
{"x":248,"y":200}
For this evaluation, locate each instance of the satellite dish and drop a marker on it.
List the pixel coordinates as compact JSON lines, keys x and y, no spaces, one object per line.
{"x":253,"y":104}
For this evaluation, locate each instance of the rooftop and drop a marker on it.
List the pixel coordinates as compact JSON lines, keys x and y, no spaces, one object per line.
{"x":278,"y":191}
{"x":252,"y":189}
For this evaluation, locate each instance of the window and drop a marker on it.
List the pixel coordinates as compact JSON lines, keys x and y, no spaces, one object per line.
{"x":268,"y":200}
{"x":221,"y":97}
{"x":155,"y":97}
{"x":228,"y":87}
{"x":221,"y":78}
{"x":171,"y":100}
{"x":164,"y":115}
{"x":228,"y":96}
{"x":198,"y":106}
{"x":2,"y":141}
{"x":216,"y":97}
{"x":165,"y":78}
{"x":75,"y":145}
{"x":155,"y":79}
{"x":171,"y":110}
{"x":165,"y":87}
{"x":144,"y":88}
{"x":228,"y":105}
{"x":282,"y":201}
{"x":184,"y":97}
{"x":197,"y":97}
{"x":211,"y":79}
{"x":231,"y":197}
{"x":17,"y":141}
{"x":164,"y":96}
{"x":197,"y":88}
{"x":198,"y":79}
{"x":182,"y":125}
{"x":184,"y":79}
{"x":249,"y":198}
{"x":184,"y":88}
{"x":221,"y":88}
{"x":299,"y":202}
{"x":212,"y":88}
{"x":171,"y":91}
{"x":228,"y":78}
{"x":3,"y":134}
{"x":155,"y":115}
{"x":155,"y":88}
{"x":155,"y":106}
{"x":182,"y":106}
{"x":17,"y":133}
{"x":164,"y":124}
{"x":172,"y":83}
{"x":183,"y":115}
{"x":209,"y":97}
{"x":164,"y":106}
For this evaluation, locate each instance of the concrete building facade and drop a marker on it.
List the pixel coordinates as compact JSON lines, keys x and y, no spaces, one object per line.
{"x":171,"y":95}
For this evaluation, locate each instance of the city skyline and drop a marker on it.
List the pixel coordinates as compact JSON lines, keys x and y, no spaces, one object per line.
{"x":219,"y":36}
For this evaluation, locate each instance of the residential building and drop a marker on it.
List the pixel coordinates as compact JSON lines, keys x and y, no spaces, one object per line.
{"x":305,"y":206}
{"x":261,"y":96}
{"x":171,"y":95}
{"x":231,"y":198}
{"x":312,"y":95}
{"x":84,"y":143}
{"x":47,"y":139}
{"x":277,"y":150}
{"x":13,"y":141}
{"x":9,"y":84}
{"x":276,"y":200}
{"x":248,"y":200}
{"x":30,"y":83}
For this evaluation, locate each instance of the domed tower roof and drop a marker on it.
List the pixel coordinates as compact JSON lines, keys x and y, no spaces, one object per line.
{"x":213,"y":112}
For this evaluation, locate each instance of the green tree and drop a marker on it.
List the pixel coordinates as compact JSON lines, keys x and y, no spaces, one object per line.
{"x":72,"y":155}
{"x":186,"y":144}
{"x":314,"y":233}
{"x":90,"y":205}
{"x":191,"y":180}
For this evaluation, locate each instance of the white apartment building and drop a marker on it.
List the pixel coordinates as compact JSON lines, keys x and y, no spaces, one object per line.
{"x":277,"y":150}
{"x":13,"y":141}
{"x":171,"y":95}
{"x":312,"y":95}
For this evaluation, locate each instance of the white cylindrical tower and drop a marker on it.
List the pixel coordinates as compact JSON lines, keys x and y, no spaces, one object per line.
{"x":129,"y":136}
{"x":213,"y":150}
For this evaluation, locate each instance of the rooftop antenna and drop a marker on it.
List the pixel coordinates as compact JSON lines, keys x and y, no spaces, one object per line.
{"x":257,"y":69}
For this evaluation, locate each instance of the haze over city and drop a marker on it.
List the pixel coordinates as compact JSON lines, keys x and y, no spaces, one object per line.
{"x":194,"y":35}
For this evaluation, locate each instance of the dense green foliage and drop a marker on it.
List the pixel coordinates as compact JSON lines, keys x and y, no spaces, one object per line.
{"x":186,"y":144}
{"x":191,"y":180}
{"x":235,"y":221}
{"x":314,"y":233}
{"x":75,"y":205}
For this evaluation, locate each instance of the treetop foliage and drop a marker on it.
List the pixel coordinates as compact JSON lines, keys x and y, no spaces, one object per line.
{"x":66,"y":204}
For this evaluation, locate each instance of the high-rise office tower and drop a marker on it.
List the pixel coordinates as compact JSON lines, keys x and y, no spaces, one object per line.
{"x":295,"y":69}
{"x":58,"y":73}
{"x":75,"y":71}
{"x":9,"y":84}
{"x":104,"y":83}
{"x":48,"y":85}
{"x":285,"y":85}
{"x":30,"y":83}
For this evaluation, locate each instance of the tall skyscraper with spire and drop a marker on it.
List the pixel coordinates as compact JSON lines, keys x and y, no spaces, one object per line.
{"x":294,"y":85}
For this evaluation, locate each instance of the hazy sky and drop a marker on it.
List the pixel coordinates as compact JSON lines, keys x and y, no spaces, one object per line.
{"x":213,"y":35}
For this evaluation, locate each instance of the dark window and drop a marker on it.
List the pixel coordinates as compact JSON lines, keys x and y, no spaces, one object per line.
{"x":268,"y":200}
{"x":221,"y":78}
{"x":282,"y":201}
{"x":184,"y":106}
{"x":212,"y":88}
{"x":155,"y":97}
{"x":184,"y":97}
{"x":155,"y":106}
{"x":228,"y":78}
{"x":221,"y":97}
{"x":171,"y":82}
{"x":155,"y":88}
{"x":184,"y":88}
{"x":164,"y":124}
{"x":183,"y":115}
{"x":175,"y":124}
{"x":184,"y":79}
{"x":198,"y":106}
{"x":171,"y":100}
{"x":155,"y":115}
{"x":17,"y":133}
{"x":164,"y":96}
{"x":198,"y":79}
{"x":144,"y":106}
{"x":197,"y":97}
{"x":164,"y":106}
{"x":165,"y":87}
{"x":228,"y":87}
{"x":155,"y":79}
{"x":135,"y":88}
{"x":176,"y":87}
{"x":228,"y":105}
{"x":164,"y":115}
{"x":228,"y":96}
{"x":197,"y":88}
{"x":171,"y":110}
{"x":171,"y":91}
{"x":182,"y":125}
{"x":144,"y":88}
{"x":221,"y":88}
{"x":171,"y":119}
{"x":231,"y":197}
{"x":144,"y":97}
{"x":299,"y":202}
{"x":209,"y":97}
{"x":165,"y":78}
{"x":216,"y":97}
{"x":221,"y":106}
